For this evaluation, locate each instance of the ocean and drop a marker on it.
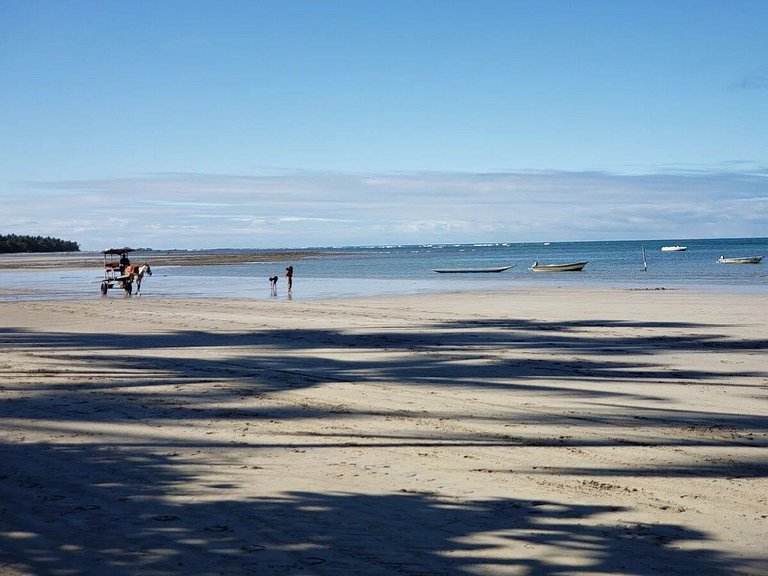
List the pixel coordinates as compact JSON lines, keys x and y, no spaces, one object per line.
{"x":360,"y":271}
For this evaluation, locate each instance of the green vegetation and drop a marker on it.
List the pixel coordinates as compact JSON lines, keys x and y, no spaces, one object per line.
{"x":12,"y":243}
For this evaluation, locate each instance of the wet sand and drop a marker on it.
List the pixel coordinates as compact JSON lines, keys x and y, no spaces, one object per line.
{"x":541,"y":431}
{"x":33,"y":261}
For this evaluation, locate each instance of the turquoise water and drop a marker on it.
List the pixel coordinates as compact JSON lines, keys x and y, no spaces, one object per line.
{"x":380,"y":270}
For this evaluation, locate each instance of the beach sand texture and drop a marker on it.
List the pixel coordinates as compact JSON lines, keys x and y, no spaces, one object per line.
{"x":543,"y":431}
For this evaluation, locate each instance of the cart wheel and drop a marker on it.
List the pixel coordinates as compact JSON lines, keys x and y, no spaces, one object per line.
{"x":104,"y":288}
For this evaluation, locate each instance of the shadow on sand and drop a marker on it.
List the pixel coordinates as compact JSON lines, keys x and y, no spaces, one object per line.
{"x":135,"y":492}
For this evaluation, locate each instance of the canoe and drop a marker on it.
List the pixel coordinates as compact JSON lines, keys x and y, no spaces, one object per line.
{"x":471,"y":270}
{"x":744,"y":260}
{"x":674,"y":248}
{"x":572,"y":267}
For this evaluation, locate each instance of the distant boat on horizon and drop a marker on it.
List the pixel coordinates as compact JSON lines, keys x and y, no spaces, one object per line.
{"x":674,"y":248}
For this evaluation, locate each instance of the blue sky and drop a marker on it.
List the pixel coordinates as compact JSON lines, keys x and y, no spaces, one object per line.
{"x":202,"y":124}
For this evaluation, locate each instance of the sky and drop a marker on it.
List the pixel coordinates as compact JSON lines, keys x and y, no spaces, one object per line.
{"x":200,"y":124}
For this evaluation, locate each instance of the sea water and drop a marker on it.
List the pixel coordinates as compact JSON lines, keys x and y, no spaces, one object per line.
{"x":354,"y":271}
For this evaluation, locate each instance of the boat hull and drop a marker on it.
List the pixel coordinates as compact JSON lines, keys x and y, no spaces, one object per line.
{"x":674,"y":248}
{"x":746,"y":260}
{"x":471,"y":270}
{"x":572,"y":267}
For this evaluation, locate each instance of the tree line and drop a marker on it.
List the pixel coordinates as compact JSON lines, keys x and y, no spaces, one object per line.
{"x":11,"y":243}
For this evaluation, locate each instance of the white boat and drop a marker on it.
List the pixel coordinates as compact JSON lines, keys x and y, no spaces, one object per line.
{"x":572,"y":267}
{"x":674,"y":248}
{"x":471,"y":270}
{"x":744,"y":260}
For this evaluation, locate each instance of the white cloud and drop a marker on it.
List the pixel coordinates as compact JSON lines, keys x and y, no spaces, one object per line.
{"x":323,"y":208}
{"x":186,"y":204}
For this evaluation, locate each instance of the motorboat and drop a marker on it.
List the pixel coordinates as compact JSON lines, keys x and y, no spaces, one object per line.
{"x":674,"y":248}
{"x":571,"y":267}
{"x":743,"y":260}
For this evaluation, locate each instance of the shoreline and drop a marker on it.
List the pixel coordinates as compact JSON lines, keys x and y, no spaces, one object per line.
{"x":333,"y":273}
{"x":55,"y":260}
{"x":322,"y":289}
{"x":623,"y":432}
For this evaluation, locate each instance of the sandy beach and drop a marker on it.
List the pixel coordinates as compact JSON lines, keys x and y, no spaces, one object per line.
{"x":547,"y":431}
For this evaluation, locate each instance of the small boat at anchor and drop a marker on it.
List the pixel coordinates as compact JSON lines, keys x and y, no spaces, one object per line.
{"x":743,"y":260}
{"x":571,"y":267}
{"x":472,"y":270}
{"x":674,"y":248}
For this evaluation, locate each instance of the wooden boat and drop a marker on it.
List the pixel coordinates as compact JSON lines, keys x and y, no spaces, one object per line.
{"x":572,"y":267}
{"x":674,"y":248}
{"x":471,"y":270}
{"x":744,"y":260}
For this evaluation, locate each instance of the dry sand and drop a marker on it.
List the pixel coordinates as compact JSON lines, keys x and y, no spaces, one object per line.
{"x":547,"y":431}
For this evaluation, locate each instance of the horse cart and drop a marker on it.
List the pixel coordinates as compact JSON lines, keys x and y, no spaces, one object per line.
{"x":120,"y":273}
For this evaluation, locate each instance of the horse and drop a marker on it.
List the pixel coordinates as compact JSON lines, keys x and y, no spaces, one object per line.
{"x":135,"y":274}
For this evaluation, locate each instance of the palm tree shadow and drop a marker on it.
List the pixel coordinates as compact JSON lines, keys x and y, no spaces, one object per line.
{"x":111,"y":512}
{"x":106,"y":508}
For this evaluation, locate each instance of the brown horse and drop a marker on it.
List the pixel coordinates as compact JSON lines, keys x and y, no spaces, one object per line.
{"x":135,"y":274}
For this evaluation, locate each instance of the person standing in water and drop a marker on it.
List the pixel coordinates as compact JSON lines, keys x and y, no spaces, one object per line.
{"x":289,"y":278}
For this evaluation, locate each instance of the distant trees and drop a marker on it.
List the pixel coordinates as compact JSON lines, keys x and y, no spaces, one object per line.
{"x":11,"y":243}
